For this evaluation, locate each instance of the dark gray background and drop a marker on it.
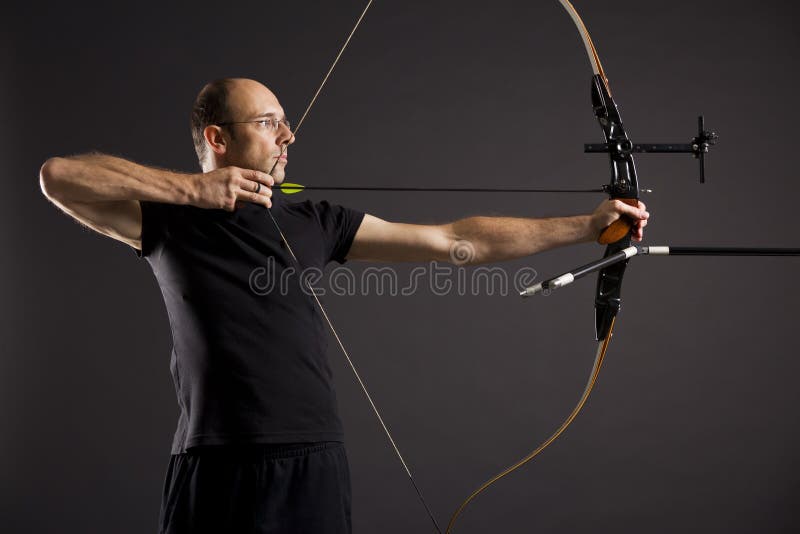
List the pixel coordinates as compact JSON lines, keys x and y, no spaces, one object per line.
{"x":693,"y":425}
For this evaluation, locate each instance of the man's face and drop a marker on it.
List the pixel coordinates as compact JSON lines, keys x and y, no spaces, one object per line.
{"x":255,"y":145}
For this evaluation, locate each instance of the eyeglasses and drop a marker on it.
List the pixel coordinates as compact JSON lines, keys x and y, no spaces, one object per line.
{"x":271,"y":124}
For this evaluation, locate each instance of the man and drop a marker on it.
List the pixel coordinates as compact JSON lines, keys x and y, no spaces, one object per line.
{"x":258,"y":446}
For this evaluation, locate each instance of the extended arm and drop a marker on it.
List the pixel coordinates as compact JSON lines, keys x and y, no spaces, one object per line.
{"x":485,"y":239}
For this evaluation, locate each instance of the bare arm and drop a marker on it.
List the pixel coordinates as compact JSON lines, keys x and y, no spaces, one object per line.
{"x":484,"y":239}
{"x":103,"y":192}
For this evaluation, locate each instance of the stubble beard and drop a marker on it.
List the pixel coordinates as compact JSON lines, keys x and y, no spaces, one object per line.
{"x":278,"y":173}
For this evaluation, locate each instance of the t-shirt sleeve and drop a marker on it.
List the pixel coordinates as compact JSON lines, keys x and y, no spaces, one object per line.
{"x":154,"y":221}
{"x":339,"y":226}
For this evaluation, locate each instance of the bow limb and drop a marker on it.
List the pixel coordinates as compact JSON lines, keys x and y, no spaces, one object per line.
{"x":594,"y":59}
{"x":598,"y":362}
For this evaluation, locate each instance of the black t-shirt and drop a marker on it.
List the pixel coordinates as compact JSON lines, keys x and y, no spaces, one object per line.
{"x":249,"y":346}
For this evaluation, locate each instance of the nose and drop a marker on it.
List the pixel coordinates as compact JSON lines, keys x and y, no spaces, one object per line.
{"x":285,"y":135}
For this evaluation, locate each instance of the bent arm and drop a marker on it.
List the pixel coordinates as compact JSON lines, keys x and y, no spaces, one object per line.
{"x":101,"y":178}
{"x":103,"y":192}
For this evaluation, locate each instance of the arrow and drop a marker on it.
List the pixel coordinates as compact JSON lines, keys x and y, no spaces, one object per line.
{"x":292,"y":189}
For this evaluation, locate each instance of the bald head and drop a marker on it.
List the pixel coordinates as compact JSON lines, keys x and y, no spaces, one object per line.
{"x":227,"y":100}
{"x":248,"y":98}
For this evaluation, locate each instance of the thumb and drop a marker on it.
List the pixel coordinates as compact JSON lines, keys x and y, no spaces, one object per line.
{"x":631,"y":211}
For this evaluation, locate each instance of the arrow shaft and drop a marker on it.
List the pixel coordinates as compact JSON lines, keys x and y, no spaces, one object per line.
{"x":435,"y":189}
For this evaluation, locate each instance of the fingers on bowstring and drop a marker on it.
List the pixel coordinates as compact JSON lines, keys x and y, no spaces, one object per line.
{"x":259,"y":176}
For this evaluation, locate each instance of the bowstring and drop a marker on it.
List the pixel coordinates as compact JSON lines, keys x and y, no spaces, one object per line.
{"x":314,"y":294}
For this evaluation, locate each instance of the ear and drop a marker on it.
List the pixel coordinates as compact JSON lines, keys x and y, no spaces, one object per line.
{"x":216,"y":139}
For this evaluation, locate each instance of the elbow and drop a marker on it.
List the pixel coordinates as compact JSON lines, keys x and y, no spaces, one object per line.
{"x":462,"y":251}
{"x":466,"y":244}
{"x":49,"y":176}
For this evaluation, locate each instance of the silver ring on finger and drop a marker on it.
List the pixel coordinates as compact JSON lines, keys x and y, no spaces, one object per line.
{"x":258,"y":188}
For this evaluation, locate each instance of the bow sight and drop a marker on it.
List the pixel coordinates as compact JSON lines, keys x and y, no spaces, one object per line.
{"x":698,"y":147}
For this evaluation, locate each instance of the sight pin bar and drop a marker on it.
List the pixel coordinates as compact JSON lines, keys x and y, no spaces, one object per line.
{"x":698,"y":146}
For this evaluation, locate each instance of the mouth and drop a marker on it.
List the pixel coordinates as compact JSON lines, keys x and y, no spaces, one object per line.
{"x":277,"y":161}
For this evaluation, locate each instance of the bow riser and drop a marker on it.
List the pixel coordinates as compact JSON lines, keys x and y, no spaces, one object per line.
{"x":623,"y":186}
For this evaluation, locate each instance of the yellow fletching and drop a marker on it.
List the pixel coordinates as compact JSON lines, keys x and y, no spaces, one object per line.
{"x":291,"y":189}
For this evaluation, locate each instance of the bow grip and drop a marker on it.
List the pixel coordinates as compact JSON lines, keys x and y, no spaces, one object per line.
{"x":619,"y":228}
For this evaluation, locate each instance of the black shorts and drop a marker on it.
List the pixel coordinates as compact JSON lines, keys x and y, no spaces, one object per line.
{"x":258,"y":489}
